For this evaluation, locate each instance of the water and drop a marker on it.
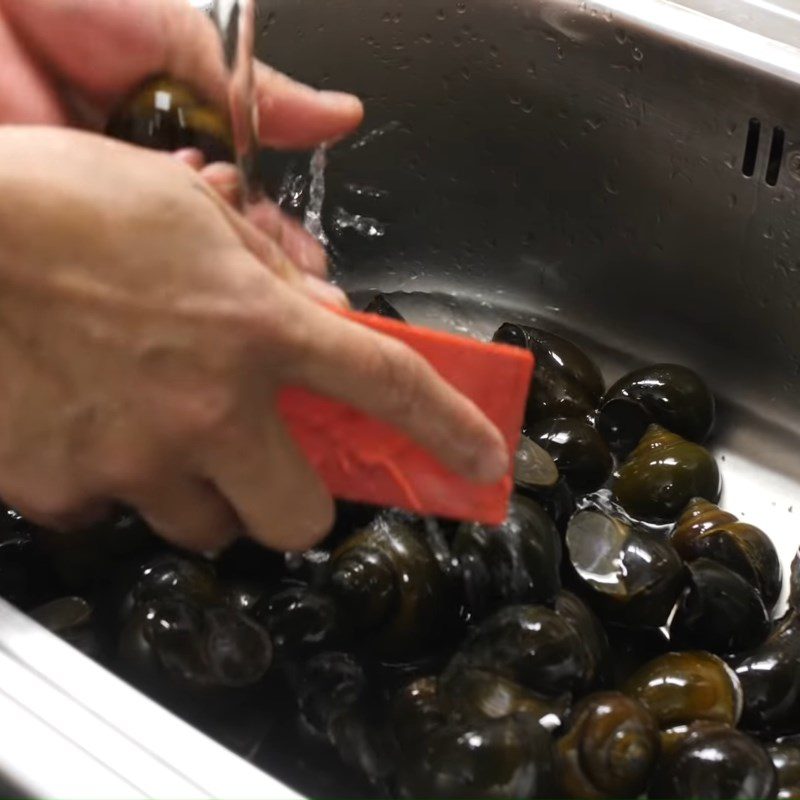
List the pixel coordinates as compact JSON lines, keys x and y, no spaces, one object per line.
{"x":316,"y":196}
{"x":368,"y":227}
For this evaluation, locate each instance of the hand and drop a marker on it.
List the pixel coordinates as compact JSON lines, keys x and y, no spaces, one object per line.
{"x":73,"y":61}
{"x":145,"y":329}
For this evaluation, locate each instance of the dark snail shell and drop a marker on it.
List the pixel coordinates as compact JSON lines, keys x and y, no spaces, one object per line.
{"x":771,"y":681}
{"x":794,"y":583}
{"x":663,"y":474}
{"x":609,"y":748}
{"x":415,"y":712}
{"x":24,"y":574}
{"x":391,"y":586}
{"x":670,"y":395}
{"x":534,"y":468}
{"x":244,"y":595}
{"x":71,"y":618}
{"x":705,"y":530}
{"x":530,"y":645}
{"x":558,"y":501}
{"x":717,"y":763}
{"x":632,"y":648}
{"x":473,"y":695}
{"x":719,"y":610}
{"x":672,"y":738}
{"x":382,"y":307}
{"x":785,"y":756}
{"x":175,"y":577}
{"x":192,"y":647}
{"x":515,"y":562}
{"x":497,"y":758}
{"x":566,"y":382}
{"x":633,"y":576}
{"x":586,"y":624}
{"x":579,"y":452}
{"x":329,"y":684}
{"x":165,"y":114}
{"x":679,"y":688}
{"x":301,"y":621}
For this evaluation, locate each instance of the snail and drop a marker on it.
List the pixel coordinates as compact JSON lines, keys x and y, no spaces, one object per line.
{"x":670,"y":395}
{"x":771,"y":681}
{"x":679,"y":688}
{"x":382,"y":307}
{"x":534,"y":468}
{"x":517,"y":561}
{"x":164,"y":114}
{"x":633,"y":647}
{"x":301,"y":621}
{"x":578,"y":450}
{"x":415,"y":712}
{"x":586,"y":624}
{"x":476,"y":694}
{"x":192,"y":647}
{"x":662,"y":474}
{"x":566,"y":382}
{"x":633,"y":576}
{"x":785,"y":756}
{"x":705,"y":530}
{"x":716,"y":762}
{"x":719,"y":610}
{"x":496,"y":758}
{"x":71,"y":618}
{"x":529,"y":645}
{"x":391,"y":586}
{"x":608,"y":749}
{"x":794,"y":583}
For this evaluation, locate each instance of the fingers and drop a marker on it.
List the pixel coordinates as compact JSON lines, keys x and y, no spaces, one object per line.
{"x":298,"y":244}
{"x":388,"y":380}
{"x":188,"y":511}
{"x":293,"y":115}
{"x":281,"y":501}
{"x":325,"y":293}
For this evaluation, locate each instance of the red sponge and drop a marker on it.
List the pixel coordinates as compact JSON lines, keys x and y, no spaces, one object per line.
{"x":365,"y":460}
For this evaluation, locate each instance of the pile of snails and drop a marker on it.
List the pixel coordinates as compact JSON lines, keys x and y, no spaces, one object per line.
{"x":614,"y":637}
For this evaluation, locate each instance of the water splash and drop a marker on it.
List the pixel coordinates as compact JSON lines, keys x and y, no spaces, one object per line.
{"x":366,"y":226}
{"x":293,"y":190}
{"x":375,"y":133}
{"x":316,"y":196}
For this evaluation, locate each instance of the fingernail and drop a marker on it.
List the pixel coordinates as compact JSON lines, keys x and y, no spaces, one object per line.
{"x":491,"y":463}
{"x":340,"y":101}
{"x":326,"y":292}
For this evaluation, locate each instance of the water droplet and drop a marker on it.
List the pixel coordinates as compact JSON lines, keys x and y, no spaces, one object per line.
{"x":610,"y":185}
{"x":732,"y":200}
{"x":440,"y":14}
{"x":493,"y":51}
{"x":387,"y":17}
{"x":637,"y":54}
{"x":465,"y":73}
{"x":457,"y":41}
{"x":730,"y":128}
{"x":559,"y":52}
{"x":514,"y":99}
{"x":269,"y":21}
{"x":621,"y":36}
{"x":365,"y":226}
{"x":769,"y":233}
{"x":531,"y":68}
{"x":527,"y":106}
{"x":461,"y":7}
{"x":427,"y":38}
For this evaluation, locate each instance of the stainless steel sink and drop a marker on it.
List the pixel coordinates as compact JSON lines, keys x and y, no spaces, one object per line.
{"x":625,"y":171}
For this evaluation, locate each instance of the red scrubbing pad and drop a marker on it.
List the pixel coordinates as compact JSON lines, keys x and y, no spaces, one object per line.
{"x":365,"y":460}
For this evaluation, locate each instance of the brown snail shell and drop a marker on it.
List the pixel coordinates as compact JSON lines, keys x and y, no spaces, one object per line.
{"x":475,"y":694}
{"x":679,"y":688}
{"x":609,"y":748}
{"x":165,"y":114}
{"x":662,"y":474}
{"x":704,"y":530}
